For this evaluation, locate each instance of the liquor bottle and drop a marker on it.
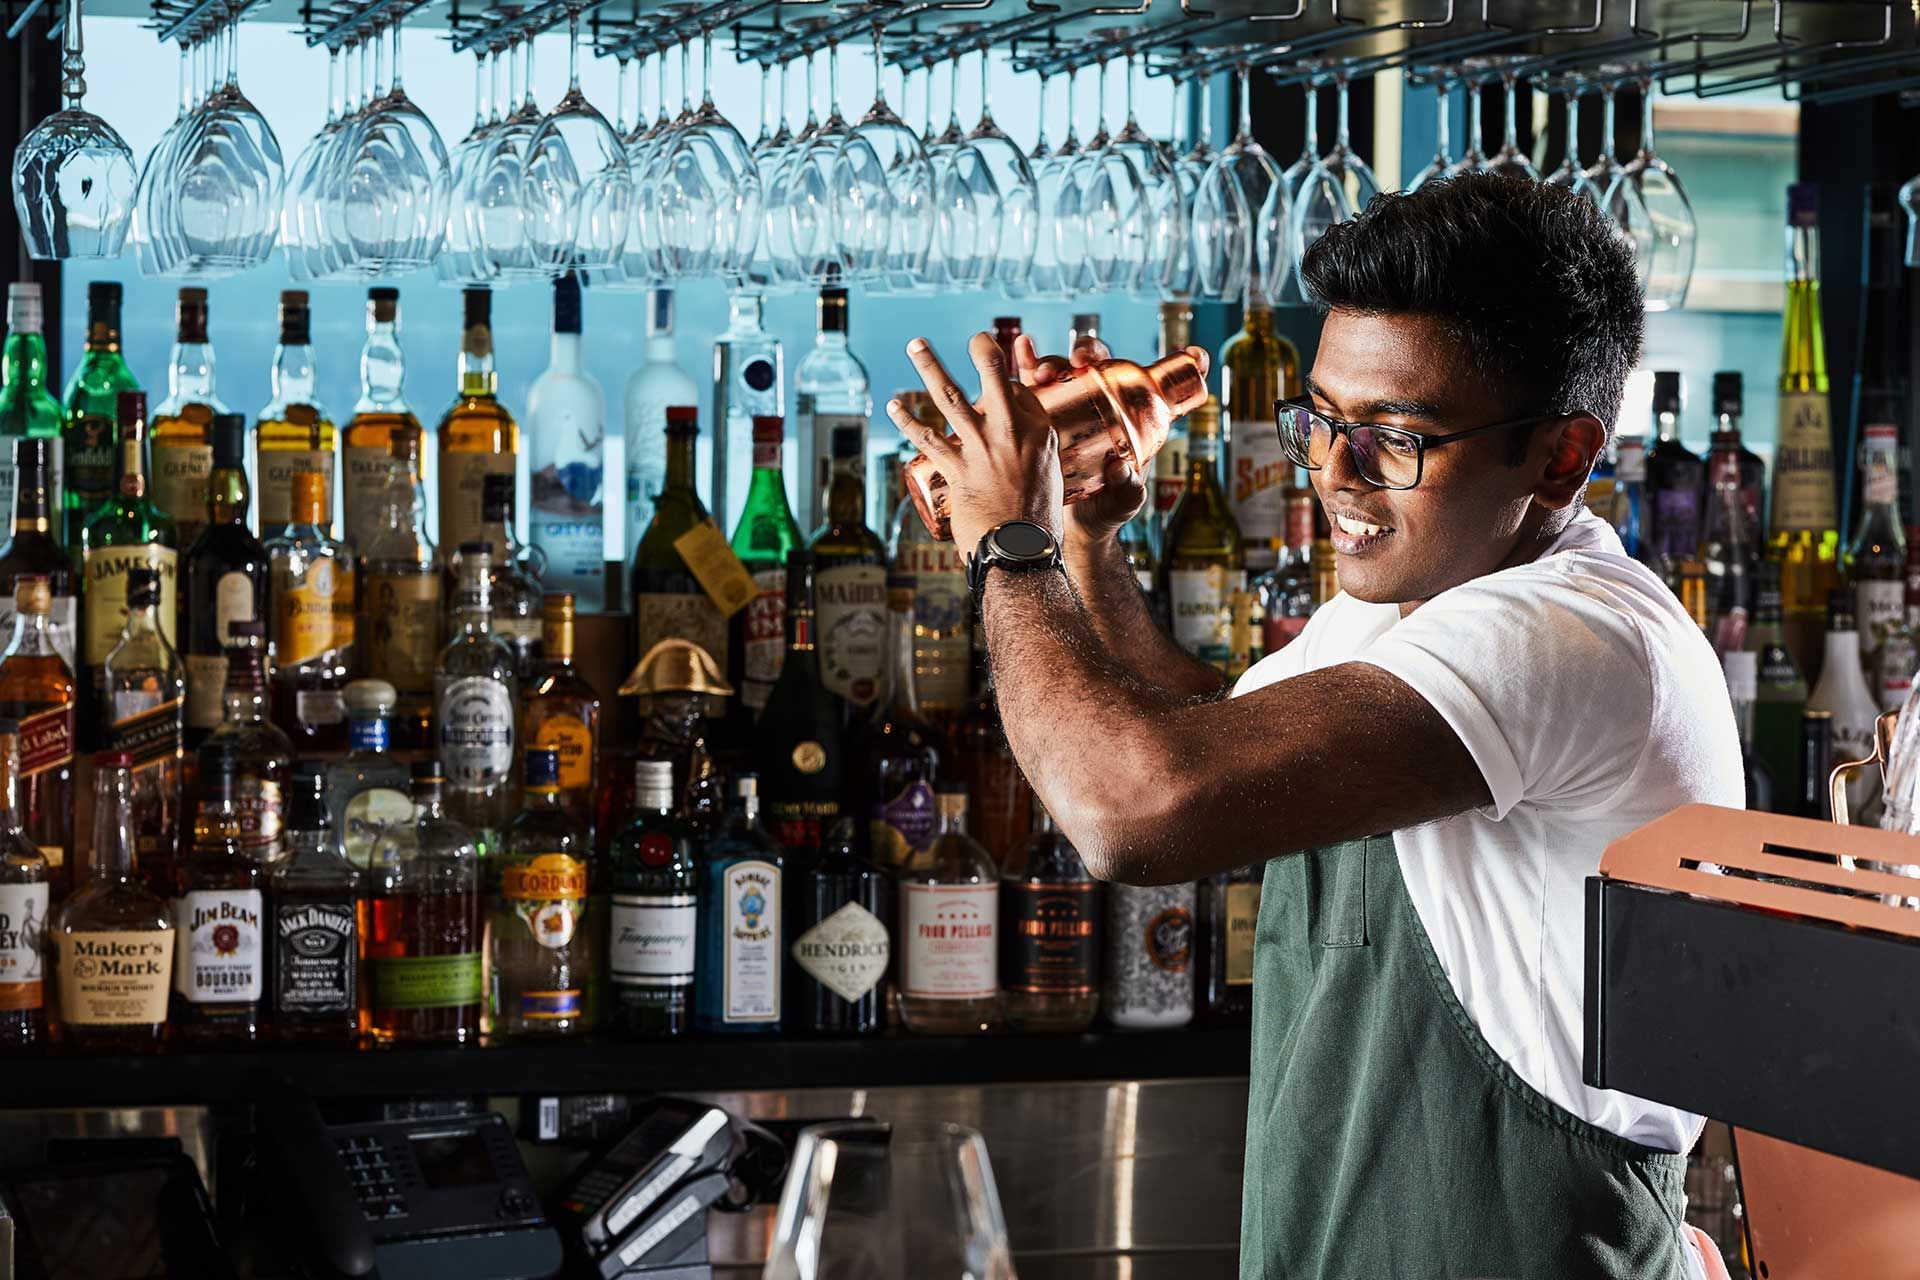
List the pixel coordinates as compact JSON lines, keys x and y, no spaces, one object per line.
{"x":1229,"y":911}
{"x":1285,"y":592}
{"x":1894,"y":666}
{"x":562,"y":712}
{"x":1742,"y":668}
{"x":182,"y":432}
{"x":936,"y":573}
{"x":1877,"y":558}
{"x":514,"y":575}
{"x":567,"y":418}
{"x":1843,"y":692}
{"x":1002,"y":800}
{"x":1630,"y":519}
{"x":1675,"y":479}
{"x":655,"y":914}
{"x":380,"y":415}
{"x":543,"y":928}
{"x":742,"y":930}
{"x":749,"y":381}
{"x":219,"y":909}
{"x":1727,"y":546}
{"x":1257,"y":368}
{"x":92,"y":407}
{"x":842,"y":945}
{"x":797,"y":746}
{"x":1204,"y":562}
{"x":1729,"y":406}
{"x":1136,"y":544}
{"x":37,"y":693}
{"x":143,"y":687}
{"x":1813,"y":766}
{"x":1603,"y":483}
{"x":850,"y":583}
{"x":32,"y":550}
{"x":425,"y":940}
{"x":1149,"y":971}
{"x":1169,"y":477}
{"x":656,"y":384}
{"x":832,"y":396}
{"x":114,"y":937}
{"x":1051,"y":915}
{"x":1803,"y":517}
{"x":1326,"y":570}
{"x":478,"y":437}
{"x":398,"y":590}
{"x":367,"y":791}
{"x":897,"y":753}
{"x":295,"y":434}
{"x":125,"y":531}
{"x":949,"y":919}
{"x":28,"y":410}
{"x":25,"y":899}
{"x":668,"y":601}
{"x":1880,"y":382}
{"x":764,"y":539}
{"x":475,"y":696}
{"x":313,"y":621}
{"x":227,"y":575}
{"x":1782,"y":689}
{"x":315,"y":914}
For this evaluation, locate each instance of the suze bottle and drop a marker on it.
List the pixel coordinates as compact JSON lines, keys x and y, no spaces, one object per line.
{"x":567,"y":423}
{"x":655,"y":914}
{"x":742,"y":941}
{"x":655,"y":385}
{"x":765,"y":537}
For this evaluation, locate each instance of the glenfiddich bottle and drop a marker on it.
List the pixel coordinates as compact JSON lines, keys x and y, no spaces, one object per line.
{"x":38,"y":693}
{"x":315,"y":923}
{"x":897,"y":753}
{"x":114,"y":938}
{"x":254,"y":750}
{"x":92,"y":412}
{"x":295,"y":433}
{"x":182,"y":433}
{"x":313,"y":622}
{"x":765,"y":537}
{"x":562,"y":712}
{"x":1804,"y":536}
{"x":379,"y":417}
{"x":655,"y":914}
{"x":398,"y":592}
{"x":227,"y":574}
{"x":543,"y":930}
{"x":25,"y":899}
{"x":850,"y":583}
{"x":144,"y":695}
{"x":125,"y":532}
{"x":478,"y":437}
{"x":1257,"y":367}
{"x":1051,"y":917}
{"x":842,"y":946}
{"x":797,"y":743}
{"x":425,"y":925}
{"x":219,"y":904}
{"x":949,"y":922}
{"x":668,"y":601}
{"x":1203,"y":562}
{"x":33,"y":551}
{"x":475,"y":699}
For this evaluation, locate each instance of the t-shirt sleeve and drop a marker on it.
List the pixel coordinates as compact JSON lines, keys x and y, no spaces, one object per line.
{"x":1546,"y":684}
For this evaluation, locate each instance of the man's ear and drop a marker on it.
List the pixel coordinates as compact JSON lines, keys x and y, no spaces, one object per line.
{"x":1572,"y":444}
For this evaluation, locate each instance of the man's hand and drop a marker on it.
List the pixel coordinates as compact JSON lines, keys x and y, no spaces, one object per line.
{"x":1001,"y":462}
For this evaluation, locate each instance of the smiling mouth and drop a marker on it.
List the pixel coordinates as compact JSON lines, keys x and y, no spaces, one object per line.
{"x":1352,"y":535}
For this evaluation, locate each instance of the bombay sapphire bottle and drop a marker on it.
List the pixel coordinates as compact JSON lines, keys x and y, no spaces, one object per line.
{"x":742,"y":947}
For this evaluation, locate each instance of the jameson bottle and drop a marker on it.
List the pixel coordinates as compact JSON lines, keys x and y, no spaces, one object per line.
{"x":478,"y":437}
{"x":1051,"y":915}
{"x":125,"y":532}
{"x":897,"y":753}
{"x":1203,"y":562}
{"x":315,"y":921}
{"x":379,"y":417}
{"x":1257,"y":367}
{"x":655,"y":914}
{"x":25,"y":899}
{"x":742,"y":929}
{"x":219,"y":908}
{"x":28,"y":410}
{"x":33,"y":550}
{"x":1804,"y":522}
{"x":850,"y":582}
{"x":295,"y":433}
{"x":38,"y":694}
{"x":313,"y":622}
{"x":92,"y":409}
{"x":544,"y":934}
{"x":949,"y":920}
{"x":254,"y":750}
{"x":1676,"y":477}
{"x":182,"y":432}
{"x":668,"y":601}
{"x":425,"y":947}
{"x":797,"y":746}
{"x":843,"y":944}
{"x":1148,"y":984}
{"x":143,"y":698}
{"x":397,"y":637}
{"x":764,"y":539}
{"x":227,"y":576}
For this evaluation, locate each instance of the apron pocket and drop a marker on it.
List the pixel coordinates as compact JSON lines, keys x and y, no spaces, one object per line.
{"x":1344,"y":915}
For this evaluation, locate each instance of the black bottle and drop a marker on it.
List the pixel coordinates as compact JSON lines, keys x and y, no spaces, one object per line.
{"x":841,"y":913}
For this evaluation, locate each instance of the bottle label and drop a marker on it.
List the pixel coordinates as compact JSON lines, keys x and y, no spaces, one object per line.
{"x":902,"y":826}
{"x":766,"y":638}
{"x":799,"y":824}
{"x":148,"y":731}
{"x":704,"y":550}
{"x":1676,"y":514}
{"x":548,"y":892}
{"x":1149,"y":950}
{"x":1202,"y":606}
{"x":87,"y":451}
{"x":1052,"y":940}
{"x":476,"y":732}
{"x":847,"y":953}
{"x":426,"y":982}
{"x":115,"y":978}
{"x":942,"y":612}
{"x":106,"y":591}
{"x":316,"y":960}
{"x":1259,"y":472}
{"x":751,"y":918}
{"x":1242,"y":919}
{"x":552,"y":1006}
{"x":400,"y":629}
{"x":667,"y":616}
{"x":568,"y":523}
{"x":364,"y":493}
{"x":220,"y":958}
{"x":1878,"y":607}
{"x":463,"y":475}
{"x":277,"y":470}
{"x":262,"y":815}
{"x":1170,"y":473}
{"x":1803,"y":498}
{"x":952,"y":944}
{"x":60,"y":624}
{"x":180,"y":474}
{"x":367,"y":818}
{"x":851,"y":607}
{"x":314,"y":707}
{"x":651,"y":939}
{"x":206,"y":689}
{"x":314,"y":616}
{"x":569,"y":736}
{"x":23,"y":940}
{"x":46,"y":740}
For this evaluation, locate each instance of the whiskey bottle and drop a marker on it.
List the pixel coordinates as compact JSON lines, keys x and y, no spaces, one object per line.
{"x":543,"y":926}
{"x":398,"y":588}
{"x":92,"y":406}
{"x":219,"y":906}
{"x":227,"y":575}
{"x":313,"y":622}
{"x":144,"y":698}
{"x":254,"y":750}
{"x":567,"y":421}
{"x":316,"y":910}
{"x":114,"y":938}
{"x":1876,"y":560}
{"x":1676,"y":478}
{"x":1229,"y":912}
{"x":25,"y":898}
{"x":1169,"y":477}
{"x":28,"y":410}
{"x":182,"y":434}
{"x":1803,"y":518}
{"x":668,"y":601}
{"x":897,"y":753}
{"x":949,"y":918}
{"x":478,"y":437}
{"x":765,"y":537}
{"x":742,"y":927}
{"x":1285,"y":592}
{"x":1148,"y":983}
{"x":1203,"y":562}
{"x":562,"y":712}
{"x":295,"y":433}
{"x":850,"y":582}
{"x":516,"y":573}
{"x":797,"y":746}
{"x":379,"y":417}
{"x":936,"y":573}
{"x":1257,"y":368}
{"x":655,"y":914}
{"x":425,"y":939}
{"x":475,"y":697}
{"x":843,"y":946}
{"x":1002,"y":813}
{"x":37,"y":692}
{"x":124,"y":532}
{"x":33,"y":551}
{"x":1051,"y":915}
{"x":366,"y":791}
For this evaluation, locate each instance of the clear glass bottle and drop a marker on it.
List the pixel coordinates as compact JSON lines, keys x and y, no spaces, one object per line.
{"x":28,"y":410}
{"x":749,"y":381}
{"x":33,"y":548}
{"x":227,"y":579}
{"x":742,"y":931}
{"x":842,"y":945}
{"x":949,"y":918}
{"x":562,"y":712}
{"x":833,"y":395}
{"x":764,"y":538}
{"x":182,"y":433}
{"x":1051,"y":919}
{"x":253,"y":749}
{"x":544,"y":934}
{"x":478,"y":437}
{"x":655,"y":914}
{"x":476,"y":696}
{"x":1204,"y":561}
{"x":942,"y":614}
{"x":313,"y":622}
{"x":426,"y":940}
{"x":144,"y":701}
{"x":295,"y":433}
{"x":567,"y":422}
{"x":850,"y":583}
{"x":92,"y":406}
{"x":25,"y":899}
{"x":656,"y":384}
{"x":38,"y":693}
{"x":516,"y":572}
{"x":897,"y":754}
{"x":1844,"y":693}
{"x":1630,"y":500}
{"x":367,"y":791}
{"x":219,"y":918}
{"x":316,"y":909}
{"x":398,"y":636}
{"x":1727,"y":548}
{"x":1148,"y":984}
{"x":379,"y":417}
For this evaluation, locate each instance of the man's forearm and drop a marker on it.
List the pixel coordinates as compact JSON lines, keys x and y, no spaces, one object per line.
{"x":1117,"y":613}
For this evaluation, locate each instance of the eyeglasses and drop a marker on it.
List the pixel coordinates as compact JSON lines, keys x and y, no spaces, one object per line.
{"x":1385,"y":457}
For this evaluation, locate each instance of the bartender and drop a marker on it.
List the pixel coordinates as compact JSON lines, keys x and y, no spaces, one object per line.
{"x":1428,"y":772}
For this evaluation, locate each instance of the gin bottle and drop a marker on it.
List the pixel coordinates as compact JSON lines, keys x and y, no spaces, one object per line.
{"x":655,"y":914}
{"x":367,"y":791}
{"x":832,"y":389}
{"x":542,"y":929}
{"x":949,"y":920}
{"x":742,"y":935}
{"x":842,"y":946}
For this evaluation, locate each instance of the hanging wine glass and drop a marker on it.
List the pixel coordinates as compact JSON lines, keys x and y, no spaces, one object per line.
{"x":1659,"y":217}
{"x":1510,"y":161}
{"x":712,"y":158}
{"x":1339,"y":185}
{"x":1473,"y":159}
{"x":461,"y":263}
{"x":882,"y":189}
{"x":1059,"y":235}
{"x":1910,"y":201}
{"x":151,"y":228}
{"x":1164,"y":210}
{"x":1603,"y":178}
{"x":1008,"y":174}
{"x":1113,"y":200}
{"x":73,"y":175}
{"x":1442,"y":161}
{"x":576,"y":192}
{"x":969,"y":202}
{"x":770,"y":152}
{"x":1246,"y":163}
{"x":500,"y":219}
{"x":400,"y":221}
{"x":809,"y":188}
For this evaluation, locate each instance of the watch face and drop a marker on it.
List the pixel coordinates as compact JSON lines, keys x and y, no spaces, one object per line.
{"x":1022,"y":541}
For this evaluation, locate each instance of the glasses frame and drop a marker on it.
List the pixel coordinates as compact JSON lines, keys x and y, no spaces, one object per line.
{"x":1422,"y":441}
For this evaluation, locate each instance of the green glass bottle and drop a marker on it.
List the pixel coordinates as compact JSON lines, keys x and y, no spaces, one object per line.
{"x":1203,"y":562}
{"x":92,"y":403}
{"x":126,"y":531}
{"x":765,"y":536}
{"x":850,"y":583}
{"x":668,"y":601}
{"x":27,"y":408}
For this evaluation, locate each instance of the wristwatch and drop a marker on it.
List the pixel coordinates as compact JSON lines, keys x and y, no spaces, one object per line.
{"x":1018,"y":546}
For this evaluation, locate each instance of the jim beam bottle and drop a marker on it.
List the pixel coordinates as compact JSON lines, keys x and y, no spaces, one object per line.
{"x":219,"y":977}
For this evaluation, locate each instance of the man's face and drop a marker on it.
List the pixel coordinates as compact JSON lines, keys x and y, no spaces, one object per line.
{"x":1470,"y":509}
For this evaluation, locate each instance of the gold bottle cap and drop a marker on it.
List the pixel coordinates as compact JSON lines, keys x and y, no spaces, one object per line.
{"x":309,"y":497}
{"x":676,"y":666}
{"x":32,"y":594}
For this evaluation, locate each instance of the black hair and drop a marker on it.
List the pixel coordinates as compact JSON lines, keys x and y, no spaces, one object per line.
{"x":1535,"y":284}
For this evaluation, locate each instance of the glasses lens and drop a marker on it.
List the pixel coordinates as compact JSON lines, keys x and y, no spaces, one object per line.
{"x":1297,"y":431}
{"x":1388,"y":458}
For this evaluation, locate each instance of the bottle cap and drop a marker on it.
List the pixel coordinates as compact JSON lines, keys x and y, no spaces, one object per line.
{"x":746,"y":785}
{"x":32,"y":594}
{"x":1666,"y":391}
{"x":833,"y":309}
{"x":131,"y":411}
{"x":558,"y":606}
{"x":1086,"y":323}
{"x":25,"y":314}
{"x":242,"y":630}
{"x":296,"y":321}
{"x":848,"y":442}
{"x":768,"y":428}
{"x":368,"y":699}
{"x":1742,"y":667}
{"x":383,"y":304}
{"x":10,"y":728}
{"x":1205,"y":420}
{"x":659,"y":311}
{"x":478,"y":304}
{"x":1803,"y":205}
{"x":1729,"y":397}
{"x":684,"y":417}
{"x":229,"y":440}
{"x":191,"y":314}
{"x":103,"y":294}
{"x":543,"y":767}
{"x":469,"y":550}
{"x":1007,"y":322}
{"x":652,"y":775}
{"x":566,"y":304}
{"x":427,"y":771}
{"x":309,"y":500}
{"x":1840,"y":610}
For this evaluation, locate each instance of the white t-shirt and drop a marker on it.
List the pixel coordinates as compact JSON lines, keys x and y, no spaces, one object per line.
{"x":1592,"y":704}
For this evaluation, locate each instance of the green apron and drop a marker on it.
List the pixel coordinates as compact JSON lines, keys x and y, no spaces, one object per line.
{"x":1385,"y":1138}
